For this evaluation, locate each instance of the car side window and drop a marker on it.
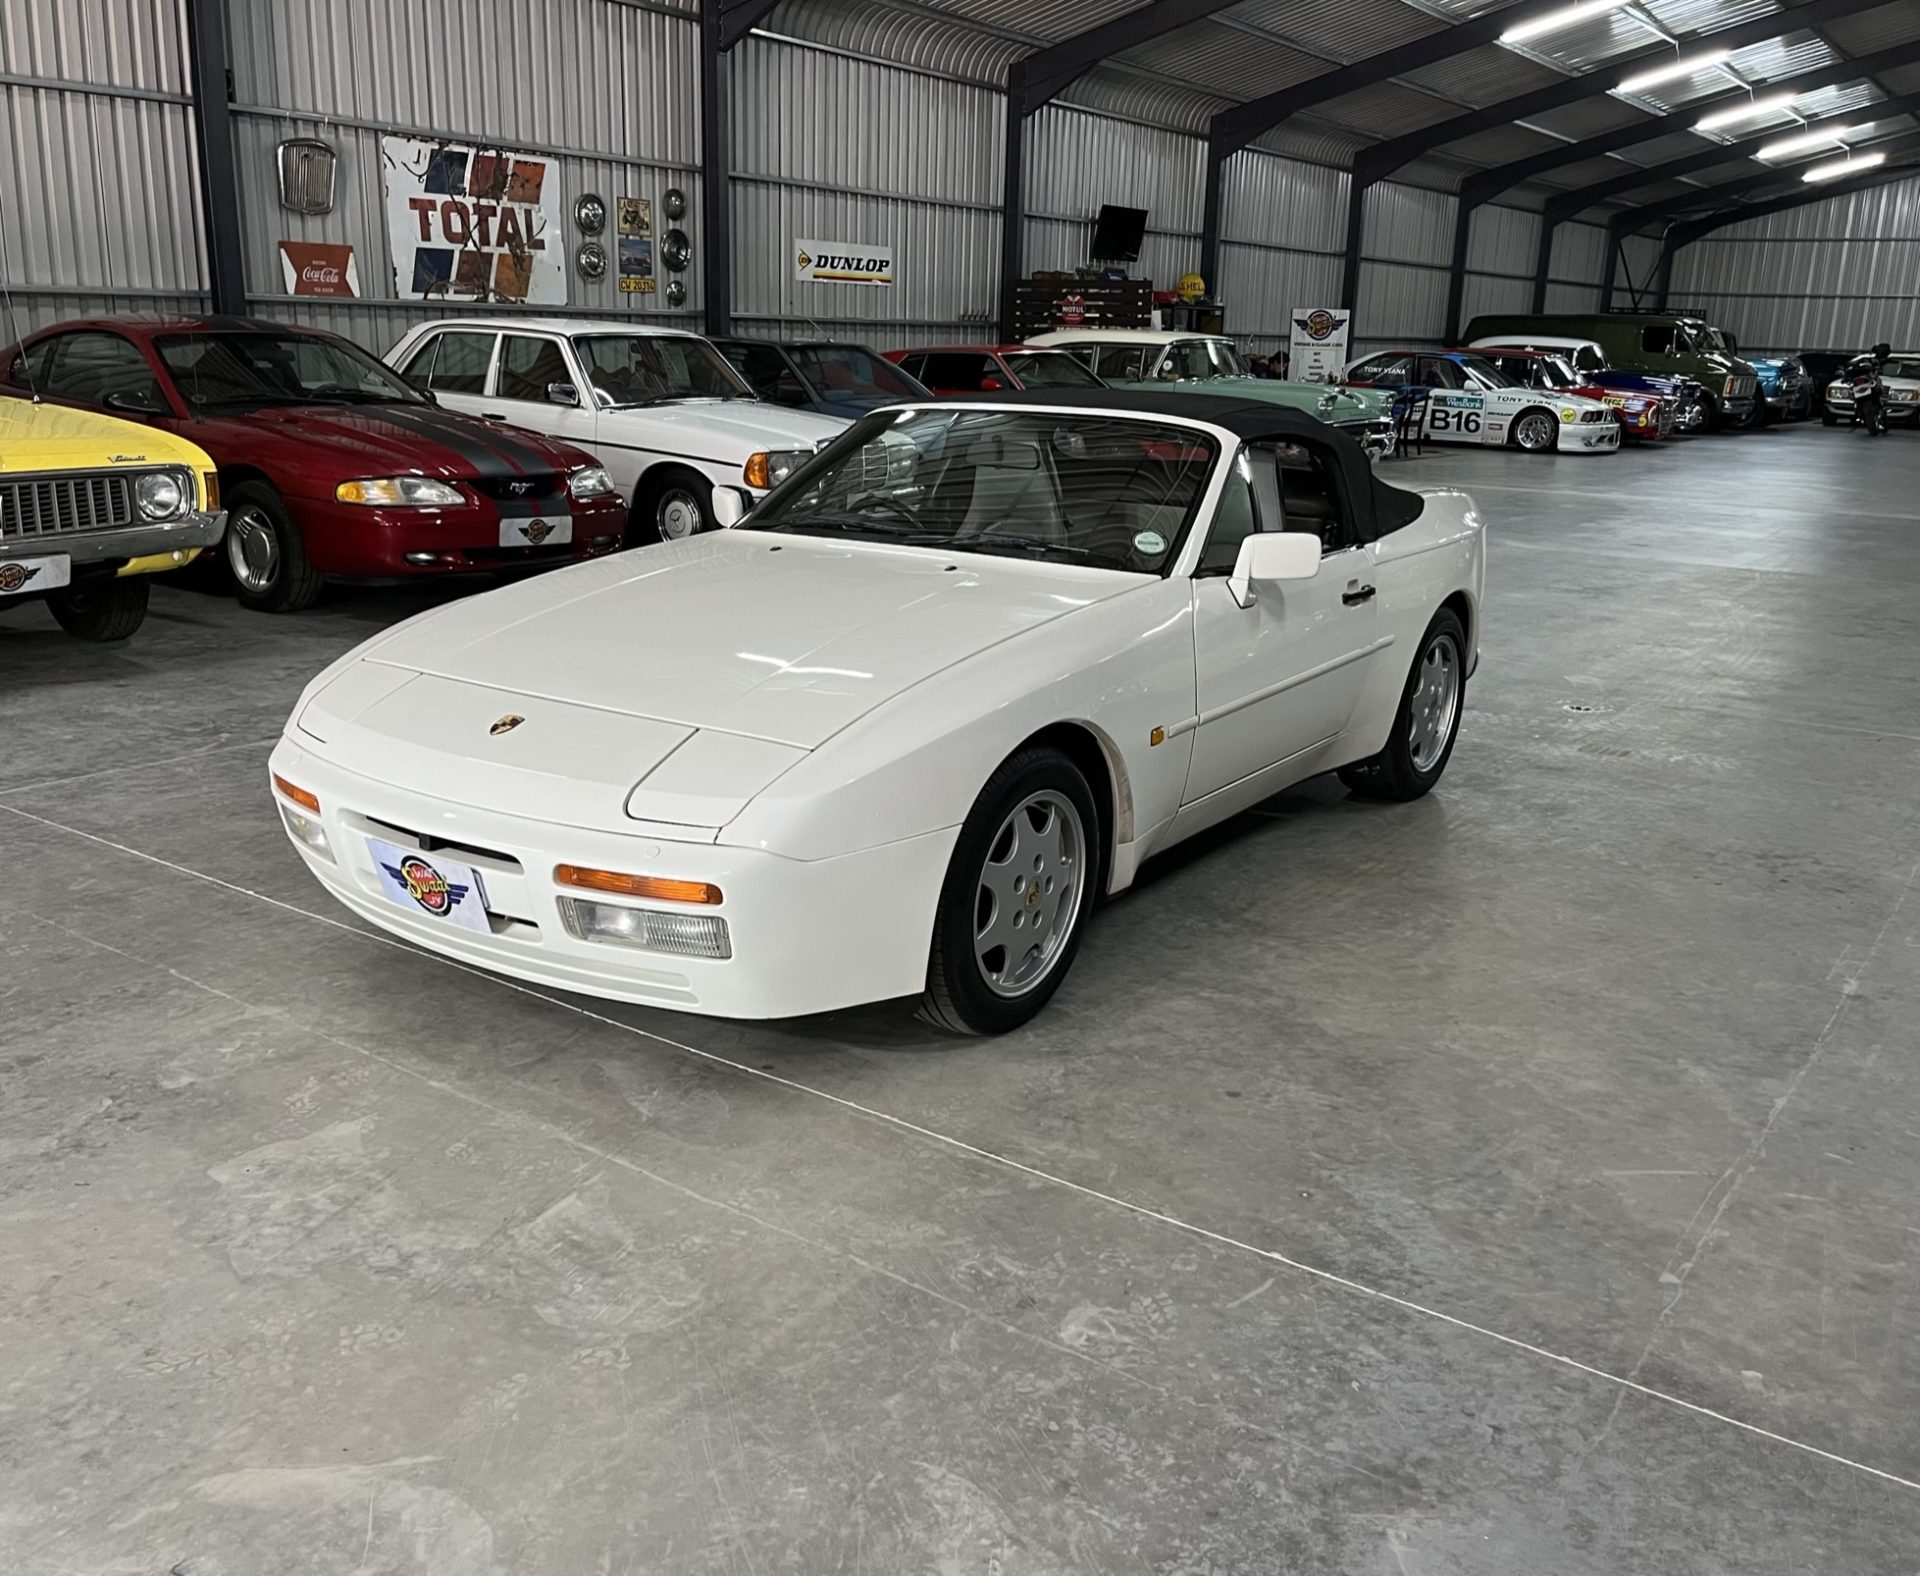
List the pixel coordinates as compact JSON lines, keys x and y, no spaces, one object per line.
{"x":1310,"y":498}
{"x":418,"y":369}
{"x":1118,"y":363}
{"x":1234,"y":520}
{"x":915,"y":365}
{"x":1386,"y":369}
{"x":461,"y":366}
{"x":1587,"y":358}
{"x":528,"y":364}
{"x":1185,"y":361}
{"x":91,"y":365}
{"x":1441,"y":373}
{"x":29,"y":368}
{"x":1657,"y":339}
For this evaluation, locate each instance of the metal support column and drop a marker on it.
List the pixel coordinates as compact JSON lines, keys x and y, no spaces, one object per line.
{"x":1457,"y":268}
{"x":723,"y":23}
{"x":1013,"y":215}
{"x":211,"y":86}
{"x":1543,"y":262}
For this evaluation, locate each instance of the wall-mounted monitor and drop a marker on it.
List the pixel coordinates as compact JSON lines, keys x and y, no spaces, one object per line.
{"x":1117,"y":234}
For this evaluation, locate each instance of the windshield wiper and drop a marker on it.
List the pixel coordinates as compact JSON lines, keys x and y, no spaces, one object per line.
{"x":1032,"y":546}
{"x":888,"y":528}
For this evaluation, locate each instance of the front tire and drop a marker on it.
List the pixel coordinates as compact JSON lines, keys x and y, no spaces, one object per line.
{"x":1427,"y":723}
{"x":266,"y":556}
{"x":102,"y":611}
{"x":673,"y":505}
{"x":1828,"y":419}
{"x":1536,"y":432}
{"x":1021,"y":883}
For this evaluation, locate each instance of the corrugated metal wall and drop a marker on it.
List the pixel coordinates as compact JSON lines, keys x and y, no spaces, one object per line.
{"x":1405,"y":246}
{"x":1836,"y":275}
{"x":608,"y":90}
{"x":100,"y":211}
{"x":1280,"y":232}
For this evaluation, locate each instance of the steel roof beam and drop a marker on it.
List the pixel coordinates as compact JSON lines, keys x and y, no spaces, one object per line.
{"x":1787,"y":178}
{"x":1036,"y":79}
{"x":1684,"y":235}
{"x":1375,"y":164}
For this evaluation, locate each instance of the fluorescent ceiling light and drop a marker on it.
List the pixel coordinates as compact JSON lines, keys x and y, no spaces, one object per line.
{"x":1751,"y":110}
{"x":1840,"y":167}
{"x":1812,"y":137}
{"x":1678,"y":68}
{"x":1553,"y":21}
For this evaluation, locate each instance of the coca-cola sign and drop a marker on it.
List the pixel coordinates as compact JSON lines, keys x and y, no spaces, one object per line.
{"x":319,"y":268}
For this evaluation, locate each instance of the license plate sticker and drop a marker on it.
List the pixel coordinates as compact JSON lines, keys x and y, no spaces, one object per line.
{"x":547,"y":530}
{"x":21,"y":575}
{"x":439,"y":888}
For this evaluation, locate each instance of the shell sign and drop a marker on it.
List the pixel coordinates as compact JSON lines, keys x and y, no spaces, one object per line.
{"x":473,"y":223}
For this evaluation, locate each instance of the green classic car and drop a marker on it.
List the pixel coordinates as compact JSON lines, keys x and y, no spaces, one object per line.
{"x":1209,"y":364}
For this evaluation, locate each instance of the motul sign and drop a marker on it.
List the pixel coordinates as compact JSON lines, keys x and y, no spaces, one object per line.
{"x":318,"y":268}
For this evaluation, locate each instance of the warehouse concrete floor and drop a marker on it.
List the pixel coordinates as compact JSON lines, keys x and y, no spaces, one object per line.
{"x":1518,"y":1181}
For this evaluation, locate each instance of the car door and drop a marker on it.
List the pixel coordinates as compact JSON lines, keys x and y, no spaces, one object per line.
{"x":455,"y":364}
{"x":1455,"y":414}
{"x":1283,"y":676}
{"x":527,"y":373}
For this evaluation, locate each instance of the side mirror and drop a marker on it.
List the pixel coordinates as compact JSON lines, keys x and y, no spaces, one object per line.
{"x":729,"y":508}
{"x":1273,"y":555}
{"x":562,"y":394}
{"x":135,"y":402}
{"x":989,"y":385}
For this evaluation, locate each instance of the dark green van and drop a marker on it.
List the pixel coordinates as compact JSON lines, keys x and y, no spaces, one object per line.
{"x":1674,"y":343}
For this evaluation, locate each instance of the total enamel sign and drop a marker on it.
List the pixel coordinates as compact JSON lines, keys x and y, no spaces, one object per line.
{"x":473,"y":223}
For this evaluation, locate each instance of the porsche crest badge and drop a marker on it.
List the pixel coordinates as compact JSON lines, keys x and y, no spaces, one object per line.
{"x":505,"y":724}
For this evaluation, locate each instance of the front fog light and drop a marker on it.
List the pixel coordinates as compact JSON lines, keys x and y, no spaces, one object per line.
{"x":307,"y":832}
{"x":683,"y":935}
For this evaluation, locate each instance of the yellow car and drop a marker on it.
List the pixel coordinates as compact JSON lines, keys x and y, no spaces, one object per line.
{"x":89,"y":506}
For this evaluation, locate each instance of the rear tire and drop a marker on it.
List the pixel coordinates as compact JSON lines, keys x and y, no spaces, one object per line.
{"x":673,"y":504}
{"x":102,"y":611}
{"x":1023,"y":879}
{"x":1427,"y":723}
{"x":265,"y":555}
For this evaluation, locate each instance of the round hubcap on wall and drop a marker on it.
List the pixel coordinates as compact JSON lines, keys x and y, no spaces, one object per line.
{"x":1030,"y":893}
{"x":252,"y":551}
{"x":1434,"y":702}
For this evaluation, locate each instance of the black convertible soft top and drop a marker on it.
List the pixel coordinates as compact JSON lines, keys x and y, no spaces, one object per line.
{"x":1383,"y":506}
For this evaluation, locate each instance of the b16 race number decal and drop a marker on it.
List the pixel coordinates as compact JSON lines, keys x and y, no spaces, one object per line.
{"x":1456,"y":415}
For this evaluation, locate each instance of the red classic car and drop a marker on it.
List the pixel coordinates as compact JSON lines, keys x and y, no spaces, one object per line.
{"x":330,"y":464}
{"x":973,"y":369}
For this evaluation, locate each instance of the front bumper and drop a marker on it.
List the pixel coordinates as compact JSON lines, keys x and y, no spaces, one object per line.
{"x":806,"y":936}
{"x":1376,"y":437}
{"x":1589,"y":437}
{"x":197,"y":529}
{"x":355,"y":542}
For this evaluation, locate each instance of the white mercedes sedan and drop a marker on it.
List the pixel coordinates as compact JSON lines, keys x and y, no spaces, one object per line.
{"x":897,"y":730}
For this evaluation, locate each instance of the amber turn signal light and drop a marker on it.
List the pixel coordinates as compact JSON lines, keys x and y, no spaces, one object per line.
{"x":758,"y":471}
{"x":623,"y":885}
{"x":300,"y":796}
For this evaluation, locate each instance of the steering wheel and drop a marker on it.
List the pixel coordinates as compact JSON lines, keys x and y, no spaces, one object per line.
{"x":890,"y":505}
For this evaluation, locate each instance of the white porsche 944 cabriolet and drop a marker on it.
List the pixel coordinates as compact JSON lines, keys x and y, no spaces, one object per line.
{"x":896,"y":731}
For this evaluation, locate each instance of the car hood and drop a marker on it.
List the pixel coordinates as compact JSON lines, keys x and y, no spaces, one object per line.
{"x":768,"y":636}
{"x":40,"y":437}
{"x":729,"y":430}
{"x":384,"y":440}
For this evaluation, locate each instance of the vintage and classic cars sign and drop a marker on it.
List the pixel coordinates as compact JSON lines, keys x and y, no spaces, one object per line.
{"x":474,"y":223}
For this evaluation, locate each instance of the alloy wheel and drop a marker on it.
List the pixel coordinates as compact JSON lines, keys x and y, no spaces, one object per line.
{"x":1535,"y":432}
{"x":253,"y":552}
{"x":1434,"y":703}
{"x":1030,"y":893}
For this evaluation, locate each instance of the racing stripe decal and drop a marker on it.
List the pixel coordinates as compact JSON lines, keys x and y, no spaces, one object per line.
{"x":489,"y":451}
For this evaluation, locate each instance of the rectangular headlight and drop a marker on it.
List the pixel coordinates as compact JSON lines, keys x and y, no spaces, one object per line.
{"x":646,"y":929}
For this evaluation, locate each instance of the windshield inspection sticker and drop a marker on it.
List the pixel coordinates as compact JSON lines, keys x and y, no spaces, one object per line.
{"x":1149,"y":543}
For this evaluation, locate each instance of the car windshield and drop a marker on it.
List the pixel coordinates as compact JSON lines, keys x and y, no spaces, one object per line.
{"x":1556,"y":374}
{"x":1484,"y":374}
{"x":655,"y":369}
{"x":1709,"y":339}
{"x":1100,"y":490}
{"x":250,"y":367}
{"x":1191,"y":359}
{"x":1902,"y":367}
{"x":1051,"y":369}
{"x":851,"y":369}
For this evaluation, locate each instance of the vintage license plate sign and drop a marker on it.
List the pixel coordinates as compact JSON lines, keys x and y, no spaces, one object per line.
{"x":18,"y":576}
{"x":548,"y":530}
{"x":428,"y":884}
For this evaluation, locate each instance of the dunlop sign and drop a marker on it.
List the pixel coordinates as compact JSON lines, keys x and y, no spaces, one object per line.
{"x":842,"y":263}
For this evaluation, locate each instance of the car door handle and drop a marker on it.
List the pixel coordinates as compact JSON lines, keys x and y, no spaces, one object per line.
{"x":1354,"y":595}
{"x":493,"y":415}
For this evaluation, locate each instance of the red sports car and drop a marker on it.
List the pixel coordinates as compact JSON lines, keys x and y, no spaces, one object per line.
{"x":330,"y":464}
{"x":973,"y":369}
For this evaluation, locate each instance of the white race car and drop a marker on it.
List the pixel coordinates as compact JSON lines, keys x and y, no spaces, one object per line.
{"x":895,"y":732}
{"x":1469,"y":400}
